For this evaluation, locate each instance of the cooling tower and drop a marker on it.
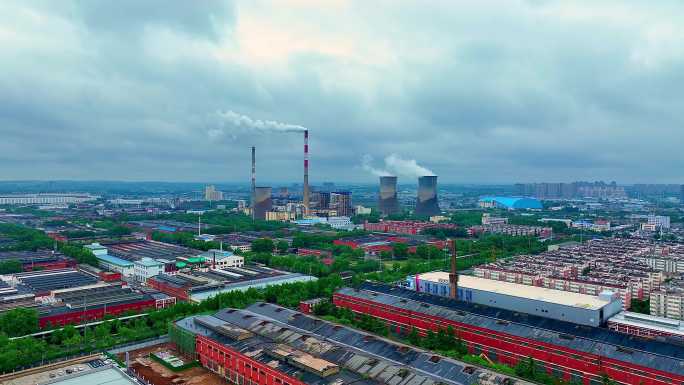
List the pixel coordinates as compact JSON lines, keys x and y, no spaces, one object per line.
{"x":263,"y":202}
{"x":387,"y":202}
{"x":426,"y":203}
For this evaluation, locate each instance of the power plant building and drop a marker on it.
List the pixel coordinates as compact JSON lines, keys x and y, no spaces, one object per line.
{"x":262,"y":202}
{"x":387,"y":202}
{"x":426,"y":202}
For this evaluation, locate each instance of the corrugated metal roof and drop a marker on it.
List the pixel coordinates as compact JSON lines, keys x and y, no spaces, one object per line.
{"x":649,"y":353}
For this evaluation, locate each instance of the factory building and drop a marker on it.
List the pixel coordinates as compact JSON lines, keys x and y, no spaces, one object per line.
{"x":644,"y":325}
{"x":572,"y":307}
{"x":426,"y":201}
{"x":387,"y":199}
{"x":45,"y":199}
{"x":41,"y":259}
{"x":575,"y":353}
{"x":511,"y":203}
{"x":88,"y":303}
{"x":116,"y":264}
{"x":146,"y":268}
{"x":200,"y":285}
{"x":220,"y":259}
{"x":269,"y":344}
{"x":404,"y":227}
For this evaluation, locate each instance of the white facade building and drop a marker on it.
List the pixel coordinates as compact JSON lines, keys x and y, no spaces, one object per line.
{"x":147,"y":267}
{"x":659,"y":221}
{"x":35,"y":199}
{"x":223,"y":259}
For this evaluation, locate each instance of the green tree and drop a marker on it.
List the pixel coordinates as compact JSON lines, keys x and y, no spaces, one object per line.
{"x":282,"y":247}
{"x":400,"y":250}
{"x":262,"y":245}
{"x":414,"y":337}
{"x":19,"y":322}
{"x":10,"y":266}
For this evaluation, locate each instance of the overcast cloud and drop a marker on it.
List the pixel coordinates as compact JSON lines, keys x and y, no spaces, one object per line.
{"x":476,"y":91}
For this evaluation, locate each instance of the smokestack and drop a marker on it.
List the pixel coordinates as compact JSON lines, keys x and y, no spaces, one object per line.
{"x":253,"y":180}
{"x":305,"y":197}
{"x":387,"y":203}
{"x":453,"y":275}
{"x":426,"y":202}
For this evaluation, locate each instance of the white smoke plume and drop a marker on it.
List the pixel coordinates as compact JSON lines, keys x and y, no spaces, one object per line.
{"x":229,"y":121}
{"x":367,"y":165}
{"x":405,"y":167}
{"x":395,"y":165}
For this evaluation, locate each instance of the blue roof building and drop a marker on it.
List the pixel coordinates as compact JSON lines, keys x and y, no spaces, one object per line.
{"x":511,"y":203}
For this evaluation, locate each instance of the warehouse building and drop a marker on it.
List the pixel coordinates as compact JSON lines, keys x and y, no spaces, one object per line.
{"x":644,"y":325}
{"x":116,"y":264}
{"x":565,"y":306}
{"x":136,"y":250}
{"x":511,"y":203}
{"x":268,"y":344}
{"x":41,"y":259}
{"x":199,"y":285}
{"x":41,"y":283}
{"x":574,"y":353}
{"x":93,"y":302}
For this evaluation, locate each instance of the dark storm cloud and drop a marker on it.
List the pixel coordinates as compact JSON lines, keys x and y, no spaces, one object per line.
{"x":477,"y":92}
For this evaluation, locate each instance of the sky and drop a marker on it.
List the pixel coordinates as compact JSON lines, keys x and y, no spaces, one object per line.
{"x":472,"y":91}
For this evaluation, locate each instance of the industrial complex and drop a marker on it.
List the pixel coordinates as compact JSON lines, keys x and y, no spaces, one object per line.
{"x":268,"y":344}
{"x":573,"y":352}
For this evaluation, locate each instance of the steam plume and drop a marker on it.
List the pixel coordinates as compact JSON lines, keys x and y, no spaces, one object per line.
{"x":367,"y":165}
{"x":407,"y":167}
{"x":230,"y":121}
{"x":395,"y":165}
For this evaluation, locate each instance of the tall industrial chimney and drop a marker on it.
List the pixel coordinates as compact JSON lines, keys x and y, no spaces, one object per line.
{"x":453,"y":275}
{"x":305,"y":197}
{"x":387,"y":202}
{"x":426,"y":202}
{"x":253,"y":180}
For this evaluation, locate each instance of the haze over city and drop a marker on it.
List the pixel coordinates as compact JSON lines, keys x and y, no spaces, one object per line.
{"x":338,"y":192}
{"x":477,"y":92}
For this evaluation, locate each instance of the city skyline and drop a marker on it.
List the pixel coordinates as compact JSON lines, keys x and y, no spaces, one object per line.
{"x":478,"y":93}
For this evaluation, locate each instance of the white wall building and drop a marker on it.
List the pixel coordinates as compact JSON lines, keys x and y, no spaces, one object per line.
{"x":659,"y":221}
{"x":147,"y":267}
{"x":223,"y":258}
{"x":28,"y":199}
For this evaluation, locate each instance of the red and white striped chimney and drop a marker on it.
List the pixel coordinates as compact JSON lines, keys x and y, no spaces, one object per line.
{"x":305,"y":198}
{"x":253,"y":202}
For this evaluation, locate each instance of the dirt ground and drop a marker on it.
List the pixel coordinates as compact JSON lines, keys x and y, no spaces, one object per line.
{"x":157,"y":374}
